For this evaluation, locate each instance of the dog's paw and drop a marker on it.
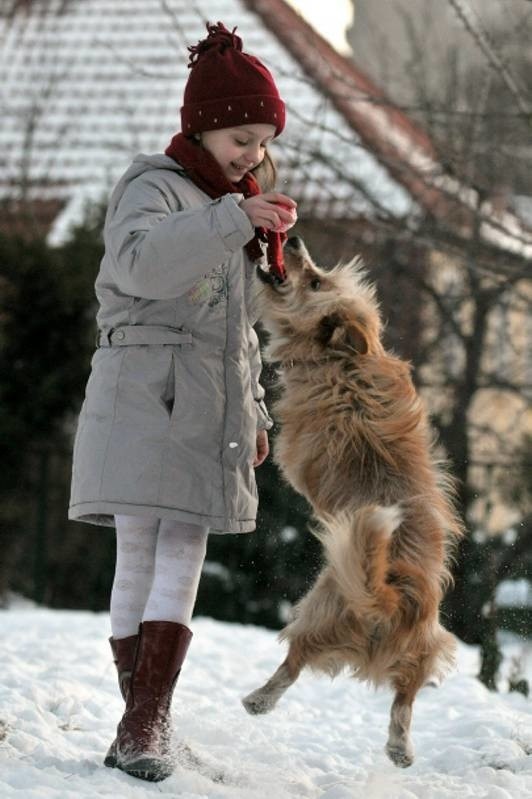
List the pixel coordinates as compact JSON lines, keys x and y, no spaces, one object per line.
{"x":400,"y":756}
{"x":258,"y":703}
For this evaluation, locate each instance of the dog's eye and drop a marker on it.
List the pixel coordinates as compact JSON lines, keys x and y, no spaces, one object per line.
{"x":315,"y":284}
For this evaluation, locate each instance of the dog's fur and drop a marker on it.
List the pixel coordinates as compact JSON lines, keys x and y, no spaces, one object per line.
{"x":355,"y":441}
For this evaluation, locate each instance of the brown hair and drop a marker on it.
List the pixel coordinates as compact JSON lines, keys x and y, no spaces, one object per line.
{"x":266,"y":173}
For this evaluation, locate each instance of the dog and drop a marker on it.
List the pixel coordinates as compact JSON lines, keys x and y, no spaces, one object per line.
{"x":355,"y":441}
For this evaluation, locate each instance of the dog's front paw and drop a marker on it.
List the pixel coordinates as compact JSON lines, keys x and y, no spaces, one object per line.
{"x":400,"y":756}
{"x":258,"y":702}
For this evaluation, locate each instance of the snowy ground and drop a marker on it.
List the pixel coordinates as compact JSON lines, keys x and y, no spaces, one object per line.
{"x":59,"y":705}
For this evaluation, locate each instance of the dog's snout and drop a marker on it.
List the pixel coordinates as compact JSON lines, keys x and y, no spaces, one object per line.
{"x":294,"y":243}
{"x":268,"y":277}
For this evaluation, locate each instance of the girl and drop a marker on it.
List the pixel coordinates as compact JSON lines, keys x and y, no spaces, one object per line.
{"x":173,"y":420}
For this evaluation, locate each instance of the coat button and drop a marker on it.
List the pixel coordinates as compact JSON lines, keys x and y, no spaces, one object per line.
{"x":233,"y":444}
{"x":120,"y":335}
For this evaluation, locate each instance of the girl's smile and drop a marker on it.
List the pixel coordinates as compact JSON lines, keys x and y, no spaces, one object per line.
{"x":240,"y":149}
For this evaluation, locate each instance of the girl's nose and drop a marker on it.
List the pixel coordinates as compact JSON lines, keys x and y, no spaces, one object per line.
{"x":254,"y":155}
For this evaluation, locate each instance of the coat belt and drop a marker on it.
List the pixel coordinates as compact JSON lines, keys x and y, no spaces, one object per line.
{"x":143,"y":335}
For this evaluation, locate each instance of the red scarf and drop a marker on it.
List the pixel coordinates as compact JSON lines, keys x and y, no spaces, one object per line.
{"x":203,"y":170}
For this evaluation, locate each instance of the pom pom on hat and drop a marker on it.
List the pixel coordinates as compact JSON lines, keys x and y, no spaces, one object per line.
{"x":227,"y":87}
{"x":219,"y":38}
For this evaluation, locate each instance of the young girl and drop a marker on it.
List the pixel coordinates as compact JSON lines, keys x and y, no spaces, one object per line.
{"x":173,"y":421}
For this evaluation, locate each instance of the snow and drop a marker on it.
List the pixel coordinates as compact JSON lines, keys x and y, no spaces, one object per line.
{"x":514,"y":594}
{"x":60,"y":704}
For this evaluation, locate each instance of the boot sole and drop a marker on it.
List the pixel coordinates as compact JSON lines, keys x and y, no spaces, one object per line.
{"x":111,"y":758}
{"x":146,"y":769}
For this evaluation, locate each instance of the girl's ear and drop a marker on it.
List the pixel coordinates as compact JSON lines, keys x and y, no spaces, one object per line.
{"x":336,"y":333}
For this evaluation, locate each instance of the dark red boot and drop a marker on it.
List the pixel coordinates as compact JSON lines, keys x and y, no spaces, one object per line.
{"x":143,"y":732}
{"x":124,"y":650}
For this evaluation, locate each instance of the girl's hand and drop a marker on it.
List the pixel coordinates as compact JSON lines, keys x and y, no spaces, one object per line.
{"x":263,"y":448}
{"x":266,"y":210}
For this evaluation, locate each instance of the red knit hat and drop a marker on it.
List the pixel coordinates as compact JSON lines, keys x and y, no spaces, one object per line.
{"x":227,"y":87}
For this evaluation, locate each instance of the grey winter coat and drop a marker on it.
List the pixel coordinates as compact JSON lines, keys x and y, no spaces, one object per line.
{"x":172,"y":405}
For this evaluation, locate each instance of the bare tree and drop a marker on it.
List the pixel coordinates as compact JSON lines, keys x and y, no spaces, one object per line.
{"x":472,"y":361}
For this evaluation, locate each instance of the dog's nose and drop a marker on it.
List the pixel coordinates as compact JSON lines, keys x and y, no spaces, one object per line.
{"x":294,"y":243}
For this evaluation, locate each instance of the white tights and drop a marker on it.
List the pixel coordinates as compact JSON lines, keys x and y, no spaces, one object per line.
{"x":158,"y":568}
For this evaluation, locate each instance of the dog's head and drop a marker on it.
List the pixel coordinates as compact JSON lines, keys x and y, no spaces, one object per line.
{"x":320,"y":309}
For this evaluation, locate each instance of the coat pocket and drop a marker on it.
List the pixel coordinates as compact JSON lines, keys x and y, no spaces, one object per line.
{"x":168,"y":395}
{"x":192,"y":472}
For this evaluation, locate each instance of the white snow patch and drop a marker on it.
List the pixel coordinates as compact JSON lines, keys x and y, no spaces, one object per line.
{"x":514,"y":594}
{"x":288,"y":534}
{"x":75,"y":212}
{"x":59,"y":706}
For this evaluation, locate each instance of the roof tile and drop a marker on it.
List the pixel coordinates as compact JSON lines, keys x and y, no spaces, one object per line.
{"x":86,"y":89}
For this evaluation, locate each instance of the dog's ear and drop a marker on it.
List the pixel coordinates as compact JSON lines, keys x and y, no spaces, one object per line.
{"x":335,"y":332}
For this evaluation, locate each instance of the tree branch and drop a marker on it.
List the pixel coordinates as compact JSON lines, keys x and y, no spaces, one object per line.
{"x":482,"y":40}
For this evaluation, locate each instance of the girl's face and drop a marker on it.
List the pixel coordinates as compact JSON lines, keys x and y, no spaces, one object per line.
{"x":239,"y":149}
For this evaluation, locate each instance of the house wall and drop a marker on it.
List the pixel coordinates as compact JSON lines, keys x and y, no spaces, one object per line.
{"x":499,"y":417}
{"x":29,"y":219}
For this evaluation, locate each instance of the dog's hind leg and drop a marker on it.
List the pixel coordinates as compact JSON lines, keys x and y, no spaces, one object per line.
{"x":265,"y":698}
{"x":399,"y":747}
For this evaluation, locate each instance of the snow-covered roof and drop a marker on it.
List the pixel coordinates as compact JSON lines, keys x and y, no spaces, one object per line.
{"x":87,"y":84}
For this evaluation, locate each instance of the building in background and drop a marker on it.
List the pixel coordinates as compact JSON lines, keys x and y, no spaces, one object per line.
{"x":445,"y":76}
{"x":87,"y":84}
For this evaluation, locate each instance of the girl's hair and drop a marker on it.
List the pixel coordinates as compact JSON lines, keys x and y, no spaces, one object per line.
{"x":266,"y":173}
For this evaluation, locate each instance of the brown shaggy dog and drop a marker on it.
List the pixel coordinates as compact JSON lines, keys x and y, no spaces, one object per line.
{"x":355,"y":441}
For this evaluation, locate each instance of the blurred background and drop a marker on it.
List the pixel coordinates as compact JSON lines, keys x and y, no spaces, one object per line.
{"x":408,"y":141}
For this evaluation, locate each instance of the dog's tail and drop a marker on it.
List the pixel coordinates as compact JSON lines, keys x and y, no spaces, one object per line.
{"x":357,"y":547}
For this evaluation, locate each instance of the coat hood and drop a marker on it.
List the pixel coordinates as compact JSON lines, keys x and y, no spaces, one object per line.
{"x":140,"y":164}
